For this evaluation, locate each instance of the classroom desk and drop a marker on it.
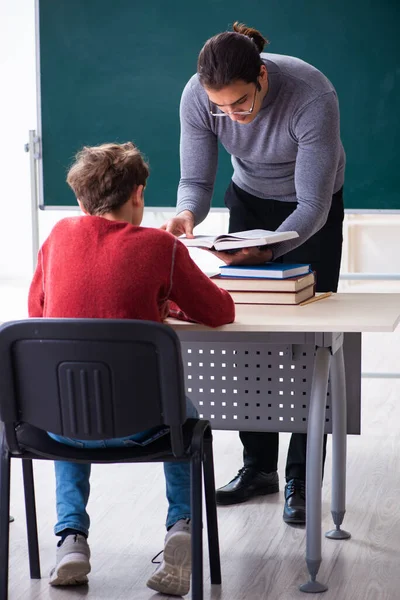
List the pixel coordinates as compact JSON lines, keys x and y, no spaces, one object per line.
{"x":237,"y":364}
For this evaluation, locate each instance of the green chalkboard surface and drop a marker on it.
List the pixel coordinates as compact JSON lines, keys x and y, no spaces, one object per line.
{"x":114,"y":71}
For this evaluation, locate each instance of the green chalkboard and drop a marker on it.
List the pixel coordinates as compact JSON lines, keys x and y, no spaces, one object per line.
{"x":114,"y":71}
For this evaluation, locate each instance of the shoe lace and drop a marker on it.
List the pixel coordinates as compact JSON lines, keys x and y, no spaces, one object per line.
{"x":60,"y":543}
{"x":154,"y":561}
{"x":246,"y":472}
{"x":158,"y":562}
{"x":296,"y":485}
{"x":243,"y":471}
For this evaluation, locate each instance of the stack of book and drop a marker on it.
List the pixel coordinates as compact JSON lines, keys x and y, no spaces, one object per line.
{"x":271,"y":283}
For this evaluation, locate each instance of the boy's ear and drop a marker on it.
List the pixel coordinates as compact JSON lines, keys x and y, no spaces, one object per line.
{"x":137,"y":195}
{"x":83,"y":209}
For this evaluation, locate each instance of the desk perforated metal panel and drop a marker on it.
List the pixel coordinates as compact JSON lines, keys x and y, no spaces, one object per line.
{"x":249,"y":384}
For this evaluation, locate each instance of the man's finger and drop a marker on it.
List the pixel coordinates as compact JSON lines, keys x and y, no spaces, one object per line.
{"x":171,"y":227}
{"x":189,"y":230}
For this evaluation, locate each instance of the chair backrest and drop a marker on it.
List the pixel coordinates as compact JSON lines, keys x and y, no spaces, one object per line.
{"x":92,"y":378}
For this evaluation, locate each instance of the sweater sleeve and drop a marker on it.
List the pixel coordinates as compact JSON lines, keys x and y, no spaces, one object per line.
{"x":195,"y":296}
{"x":316,"y":130}
{"x":36,"y":290}
{"x":198,"y":157}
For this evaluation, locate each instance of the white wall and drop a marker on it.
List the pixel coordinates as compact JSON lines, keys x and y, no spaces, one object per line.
{"x":372,"y":244}
{"x":17,"y":116}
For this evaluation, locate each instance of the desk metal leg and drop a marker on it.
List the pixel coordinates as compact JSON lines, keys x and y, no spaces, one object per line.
{"x":339,"y":441}
{"x":315,"y":432}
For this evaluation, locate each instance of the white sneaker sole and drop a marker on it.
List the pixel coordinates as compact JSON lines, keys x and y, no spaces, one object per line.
{"x":173,"y":575}
{"x":71,"y":570}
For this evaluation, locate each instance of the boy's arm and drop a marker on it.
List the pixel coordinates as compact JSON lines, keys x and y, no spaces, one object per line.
{"x":36,"y":291}
{"x":194,"y":296}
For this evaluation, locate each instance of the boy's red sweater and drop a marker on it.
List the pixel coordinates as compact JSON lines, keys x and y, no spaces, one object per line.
{"x":90,"y":267}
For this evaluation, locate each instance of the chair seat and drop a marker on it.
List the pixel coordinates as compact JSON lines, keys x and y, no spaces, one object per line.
{"x":37,"y":444}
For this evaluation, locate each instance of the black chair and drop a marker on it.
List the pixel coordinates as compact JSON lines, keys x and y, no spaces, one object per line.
{"x":98,"y":379}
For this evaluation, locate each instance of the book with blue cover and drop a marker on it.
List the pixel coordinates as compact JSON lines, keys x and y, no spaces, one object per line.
{"x":266,"y":271}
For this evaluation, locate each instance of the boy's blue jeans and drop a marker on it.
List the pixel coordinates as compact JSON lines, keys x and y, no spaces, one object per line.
{"x":73,"y":487}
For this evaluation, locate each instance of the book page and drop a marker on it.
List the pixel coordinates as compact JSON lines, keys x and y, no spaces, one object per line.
{"x":207,"y":241}
{"x":253,"y":234}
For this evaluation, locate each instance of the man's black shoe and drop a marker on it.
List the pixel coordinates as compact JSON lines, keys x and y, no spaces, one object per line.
{"x":295,"y":502}
{"x":248,"y":483}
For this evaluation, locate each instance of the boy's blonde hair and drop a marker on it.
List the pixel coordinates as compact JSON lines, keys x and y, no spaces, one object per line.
{"x":104,"y":177}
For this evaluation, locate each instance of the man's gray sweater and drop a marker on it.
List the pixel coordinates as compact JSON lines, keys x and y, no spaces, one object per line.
{"x":290,"y":152}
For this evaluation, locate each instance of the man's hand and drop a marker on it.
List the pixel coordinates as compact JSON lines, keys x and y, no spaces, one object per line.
{"x":182,"y":223}
{"x":245,"y":256}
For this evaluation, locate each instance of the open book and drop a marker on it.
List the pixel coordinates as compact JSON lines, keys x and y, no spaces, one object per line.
{"x":242,"y":239}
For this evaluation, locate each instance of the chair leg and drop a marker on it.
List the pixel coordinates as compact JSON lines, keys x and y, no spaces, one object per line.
{"x":197,"y":527}
{"x":31,"y":522}
{"x":211,"y":510}
{"x":4,"y":518}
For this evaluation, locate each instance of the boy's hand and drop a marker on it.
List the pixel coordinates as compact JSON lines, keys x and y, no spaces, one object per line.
{"x":164,"y":310}
{"x":245,"y":256}
{"x":183,"y":223}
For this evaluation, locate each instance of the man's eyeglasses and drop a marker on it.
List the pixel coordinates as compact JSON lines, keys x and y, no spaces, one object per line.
{"x":232,"y":112}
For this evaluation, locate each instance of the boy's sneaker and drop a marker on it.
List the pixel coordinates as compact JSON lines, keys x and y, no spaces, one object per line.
{"x":72,"y":562}
{"x":173,"y":574}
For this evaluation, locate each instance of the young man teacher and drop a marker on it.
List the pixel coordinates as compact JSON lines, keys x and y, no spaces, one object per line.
{"x":278,"y":117}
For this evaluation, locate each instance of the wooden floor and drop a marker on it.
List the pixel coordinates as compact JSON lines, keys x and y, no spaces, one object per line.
{"x":262,"y":558}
